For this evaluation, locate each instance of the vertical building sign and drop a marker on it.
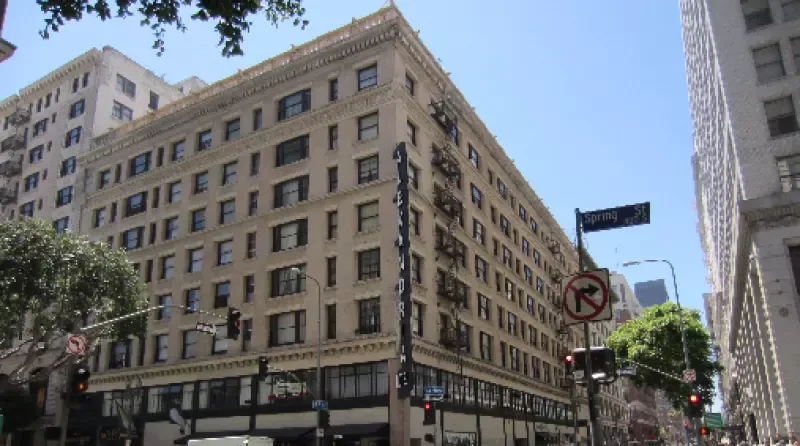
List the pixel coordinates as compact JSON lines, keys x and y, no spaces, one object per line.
{"x":404,"y":372}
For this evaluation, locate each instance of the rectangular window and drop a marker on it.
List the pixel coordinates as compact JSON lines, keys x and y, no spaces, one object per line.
{"x":483,"y":307}
{"x":286,"y":281}
{"x":477,"y":196}
{"x":177,"y":150}
{"x":330,"y":311}
{"x":250,"y":245}
{"x":247,"y":335}
{"x":195,"y":263}
{"x":413,"y":176}
{"x":133,"y":238}
{"x":99,"y":217}
{"x":330,"y":272}
{"x":769,"y":63}
{"x":474,"y":157}
{"x":781,"y":117}
{"x":36,"y":154}
{"x":31,"y":182}
{"x":252,"y":207}
{"x":103,"y":179}
{"x":139,"y":164}
{"x":333,"y":225}
{"x":227,"y":211}
{"x":291,"y":151}
{"x":126,"y":86}
{"x":416,"y":268}
{"x":198,"y":219}
{"x":121,"y":112}
{"x":333,"y":90}
{"x":136,"y":204}
{"x":255,"y":163}
{"x":294,"y":104}
{"x":189,"y":350}
{"x":232,"y":129}
{"x":409,"y":85}
{"x":333,"y":137}
{"x":77,"y":108}
{"x":229,"y":173}
{"x":73,"y":137}
{"x":368,"y":169}
{"x":290,"y":235}
{"x":222,"y":294}
{"x":291,"y":192}
{"x":486,"y":346}
{"x":333,"y":179}
{"x":64,"y":196}
{"x":204,"y":139}
{"x":287,"y":328}
{"x":411,"y":133}
{"x":417,"y":318}
{"x":368,"y":127}
{"x":200,"y":182}
{"x":258,"y":119}
{"x":161,"y":353}
{"x":367,"y":77}
{"x":174,"y":192}
{"x":369,"y":264}
{"x":167,"y":267}
{"x":413,"y":221}
{"x":756,"y":13}
{"x":153,"y":103}
{"x":369,"y":316}
{"x":170,"y":228}
{"x":61,"y":225}
{"x":368,"y":217}
{"x":224,"y":252}
{"x":220,"y":344}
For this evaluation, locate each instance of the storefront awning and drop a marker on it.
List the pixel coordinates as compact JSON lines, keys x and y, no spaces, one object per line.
{"x":294,"y":433}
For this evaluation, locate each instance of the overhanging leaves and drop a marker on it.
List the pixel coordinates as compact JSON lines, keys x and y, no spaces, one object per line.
{"x":58,"y":281}
{"x":654,"y":340}
{"x":232,"y":17}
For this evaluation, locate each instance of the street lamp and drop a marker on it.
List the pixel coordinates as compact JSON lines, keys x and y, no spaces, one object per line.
{"x":298,"y":272}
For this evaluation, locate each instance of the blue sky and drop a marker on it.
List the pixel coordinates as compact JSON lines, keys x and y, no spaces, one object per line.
{"x":589,"y":98}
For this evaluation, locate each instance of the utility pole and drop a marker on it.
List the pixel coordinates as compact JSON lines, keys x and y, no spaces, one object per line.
{"x":596,"y":439}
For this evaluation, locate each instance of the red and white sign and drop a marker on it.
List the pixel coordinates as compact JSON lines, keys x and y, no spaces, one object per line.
{"x":586,"y":298}
{"x":76,"y":344}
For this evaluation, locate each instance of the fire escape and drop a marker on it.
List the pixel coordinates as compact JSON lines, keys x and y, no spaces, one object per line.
{"x":452,"y":334}
{"x":12,"y":166}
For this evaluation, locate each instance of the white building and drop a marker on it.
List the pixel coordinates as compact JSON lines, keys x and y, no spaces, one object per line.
{"x":53,"y":120}
{"x":743,"y":61}
{"x":627,"y":298}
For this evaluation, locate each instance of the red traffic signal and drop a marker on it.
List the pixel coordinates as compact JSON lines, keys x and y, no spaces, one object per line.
{"x":694,"y":399}
{"x":429,"y":414}
{"x":428,"y":406}
{"x":704,"y":431}
{"x":569,"y":359}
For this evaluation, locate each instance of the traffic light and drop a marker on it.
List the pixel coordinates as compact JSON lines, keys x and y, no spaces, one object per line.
{"x":324,"y":419}
{"x":263,"y":367}
{"x":79,"y":378}
{"x":234,"y":323}
{"x":569,"y":360}
{"x":704,"y":431}
{"x":695,"y":407}
{"x":604,"y":363}
{"x":430,"y":414}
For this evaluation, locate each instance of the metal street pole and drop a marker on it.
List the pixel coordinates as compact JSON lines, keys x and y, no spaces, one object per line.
{"x":596,"y":439}
{"x":686,"y":362}
{"x":319,"y":346}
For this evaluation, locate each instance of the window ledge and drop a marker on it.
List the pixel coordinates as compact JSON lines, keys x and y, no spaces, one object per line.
{"x":367,"y":232}
{"x":366,"y":282}
{"x":331,"y":241}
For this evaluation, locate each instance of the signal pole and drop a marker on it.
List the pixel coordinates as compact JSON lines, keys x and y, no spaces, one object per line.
{"x":590,"y":390}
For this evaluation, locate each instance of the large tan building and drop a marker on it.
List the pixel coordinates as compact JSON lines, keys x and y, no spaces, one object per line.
{"x":222,"y":197}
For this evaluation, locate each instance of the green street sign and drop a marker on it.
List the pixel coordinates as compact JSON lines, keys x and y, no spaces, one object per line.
{"x":714,"y":420}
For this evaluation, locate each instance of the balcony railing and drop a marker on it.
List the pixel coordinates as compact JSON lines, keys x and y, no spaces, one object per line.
{"x":451,"y":246}
{"x":447,"y":202}
{"x":446,"y":162}
{"x":453,"y":339}
{"x":10,"y":168}
{"x":19,"y":117}
{"x":13,"y":142}
{"x":451,"y":289}
{"x":7,"y":196}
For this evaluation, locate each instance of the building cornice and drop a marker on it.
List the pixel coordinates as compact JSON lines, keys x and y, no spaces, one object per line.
{"x":58,"y":75}
{"x":351,"y":107}
{"x":356,"y":37}
{"x":9,"y":103}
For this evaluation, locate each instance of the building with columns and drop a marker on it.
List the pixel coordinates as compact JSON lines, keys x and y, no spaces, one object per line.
{"x":743,"y":69}
{"x":271,"y":192}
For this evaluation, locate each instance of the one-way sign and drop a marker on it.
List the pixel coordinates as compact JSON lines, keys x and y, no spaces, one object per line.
{"x":613,"y":218}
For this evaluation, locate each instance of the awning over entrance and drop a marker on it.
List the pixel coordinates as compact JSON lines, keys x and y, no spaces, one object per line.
{"x":297,"y":433}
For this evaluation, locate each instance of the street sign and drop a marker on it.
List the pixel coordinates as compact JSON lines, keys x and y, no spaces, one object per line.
{"x":586,"y":298}
{"x":627,"y":371}
{"x":433,"y":393}
{"x":619,"y":217}
{"x":689,"y":376}
{"x":76,"y":344}
{"x":320,"y":433}
{"x":319,"y":404}
{"x":714,"y":420}
{"x":207,"y":328}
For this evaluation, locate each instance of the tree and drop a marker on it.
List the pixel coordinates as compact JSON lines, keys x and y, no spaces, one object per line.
{"x":232,"y":17}
{"x":654,"y":340}
{"x":50,"y":283}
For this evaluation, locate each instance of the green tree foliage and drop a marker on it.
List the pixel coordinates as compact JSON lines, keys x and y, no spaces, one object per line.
{"x":654,"y":340}
{"x":232,"y":17}
{"x":55,"y":282}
